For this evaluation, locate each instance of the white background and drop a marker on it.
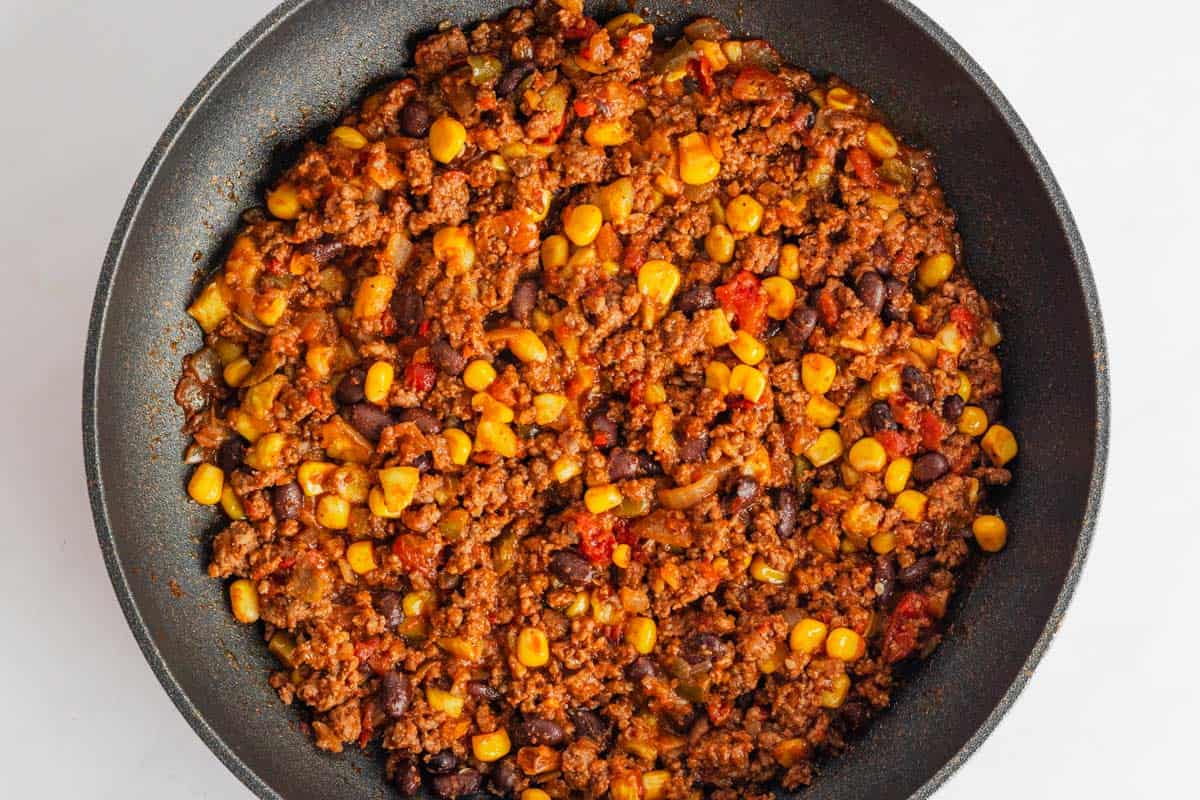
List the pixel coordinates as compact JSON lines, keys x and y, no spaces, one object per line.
{"x":1110,"y":91}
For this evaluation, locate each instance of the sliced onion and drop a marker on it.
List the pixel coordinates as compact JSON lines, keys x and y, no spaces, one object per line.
{"x":690,"y":494}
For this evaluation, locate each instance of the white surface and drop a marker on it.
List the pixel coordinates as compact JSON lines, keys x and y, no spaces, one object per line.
{"x":1109,"y":94}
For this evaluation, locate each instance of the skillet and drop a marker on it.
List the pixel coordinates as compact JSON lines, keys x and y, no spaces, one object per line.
{"x":287,"y":79}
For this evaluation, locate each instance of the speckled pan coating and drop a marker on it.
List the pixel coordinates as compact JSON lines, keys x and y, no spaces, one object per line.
{"x":289,"y":76}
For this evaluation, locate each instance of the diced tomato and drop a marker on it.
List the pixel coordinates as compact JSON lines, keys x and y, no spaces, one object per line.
{"x":827,"y":305}
{"x":586,"y":27}
{"x":623,"y":532}
{"x":910,"y":617}
{"x":387,"y":323}
{"x":596,"y":541}
{"x":701,"y":70}
{"x":416,"y":553}
{"x":904,"y":410}
{"x":637,"y":392}
{"x":557,"y":132}
{"x":755,"y":84}
{"x":420,"y":376}
{"x":896,"y":444}
{"x":365,"y":649}
{"x":933,"y":430}
{"x":965,"y":320}
{"x":860,"y":162}
{"x":634,"y":254}
{"x":583,"y":107}
{"x":745,"y":299}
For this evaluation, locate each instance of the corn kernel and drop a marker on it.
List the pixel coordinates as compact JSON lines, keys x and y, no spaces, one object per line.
{"x":250,"y":428}
{"x":527,"y":346}
{"x":744,"y":214}
{"x":452,"y":245}
{"x":926,"y":349}
{"x":750,"y":382}
{"x":399,"y":484}
{"x":348,"y":137}
{"x":823,"y":413}
{"x":883,"y":542}
{"x":697,"y":164}
{"x":747,"y":348}
{"x":840,"y":99}
{"x":897,"y":475}
{"x":781,"y":297}
{"x":319,"y":359}
{"x":624,"y":787}
{"x":716,"y":376}
{"x":231,"y":504}
{"x":791,"y":752}
{"x":548,"y":407}
{"x":283,"y":202}
{"x":607,"y":132}
{"x":880,"y":142}
{"x":417,"y":604}
{"x":206,"y":484}
{"x":719,"y":331}
{"x":657,"y":281}
{"x":495,"y":437}
{"x":447,"y":139}
{"x":713,"y":53}
{"x":654,"y":784}
{"x":379,"y":506}
{"x":763,"y":572}
{"x":934,"y":270}
{"x":641,"y":633}
{"x":361,"y":556}
{"x":1000,"y":445}
{"x":333,"y":512}
{"x":441,"y":700}
{"x":789,"y":262}
{"x":260,"y":398}
{"x":534,"y":794}
{"x":236,"y":371}
{"x":911,"y":505}
{"x":845,"y":645}
{"x":835,"y":696}
{"x":808,"y":636}
{"x":311,"y":476}
{"x":491,"y":408}
{"x":655,"y":394}
{"x":616,"y":200}
{"x":243,"y":600}
{"x":964,"y":386}
{"x":973,"y":421}
{"x":533,"y":648}
{"x":581,"y":223}
{"x":478,"y":375}
{"x":267,"y":452}
{"x":826,"y":448}
{"x":458,"y":444}
{"x":991,"y":533}
{"x":599,"y":499}
{"x":719,"y":244}
{"x":210,"y":307}
{"x":867,"y":455}
{"x":885,"y":383}
{"x":817,"y":372}
{"x":555,"y":250}
{"x":565,"y":468}
{"x":283,"y":647}
{"x":991,"y":335}
{"x":621,"y":555}
{"x":489,"y":747}
{"x":373,"y":296}
{"x":379,"y":381}
{"x":950,"y":339}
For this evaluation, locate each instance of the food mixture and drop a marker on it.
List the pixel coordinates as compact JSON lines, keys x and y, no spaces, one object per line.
{"x":597,"y":416}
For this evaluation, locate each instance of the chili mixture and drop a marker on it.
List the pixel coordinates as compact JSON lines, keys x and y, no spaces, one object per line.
{"x":596,"y":416}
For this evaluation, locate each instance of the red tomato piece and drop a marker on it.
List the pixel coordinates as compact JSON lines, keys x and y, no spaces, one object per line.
{"x":701,"y":70}
{"x":910,"y":617}
{"x":896,"y":444}
{"x":745,"y":299}
{"x":420,"y":376}
{"x":595,"y":540}
{"x":932,"y":430}
{"x":965,"y":320}
{"x":864,"y":168}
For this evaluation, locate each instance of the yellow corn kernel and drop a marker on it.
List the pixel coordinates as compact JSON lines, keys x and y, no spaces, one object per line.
{"x":548,"y":407}
{"x":817,"y":372}
{"x":378,"y":382}
{"x":555,"y":250}
{"x":333,"y":512}
{"x":641,"y":633}
{"x":911,"y":505}
{"x":210,"y":307}
{"x":697,"y":164}
{"x":495,"y":437}
{"x":991,"y":335}
{"x":621,"y":555}
{"x":763,"y":572}
{"x":883,"y":542}
{"x":823,"y":413}
{"x":781,"y":297}
{"x":452,"y":245}
{"x":351,"y":482}
{"x":348,"y":137}
{"x":791,"y":752}
{"x":732,"y":49}
{"x":656,"y":393}
{"x":862,"y":519}
{"x":534,"y":794}
{"x":361,"y":556}
{"x":248,"y":426}
{"x":578,"y":606}
{"x":880,"y":142}
{"x":926,"y":349}
{"x":267,"y":452}
{"x":533,"y":648}
{"x":747,"y":348}
{"x":283,"y":647}
{"x":319,"y":359}
{"x":1000,"y":445}
{"x":206,"y":484}
{"x":478,"y":375}
{"x":808,"y":636}
{"x":581,"y":223}
{"x":897,"y":475}
{"x":458,"y":444}
{"x":231,"y":504}
{"x":565,"y":468}
{"x":713,"y":52}
{"x":964,"y":386}
{"x":625,"y":787}
{"x":243,"y":600}
{"x":657,"y":281}
{"x":616,"y":200}
{"x":744,"y":214}
{"x":719,"y":244}
{"x":527,"y":346}
{"x":719,"y":331}
{"x":583,"y":258}
{"x":885,"y":383}
{"x":311,"y":476}
{"x":883,"y":201}
{"x":599,"y":499}
{"x":826,"y":448}
{"x":973,"y":421}
{"x":607,"y":132}
{"x":867,"y":455}
{"x":283,"y":202}
{"x":716,"y":376}
{"x":991,"y":533}
{"x":260,"y":398}
{"x":789,"y":262}
{"x":840,"y":99}
{"x":845,"y":645}
{"x":236,"y":371}
{"x":750,"y":382}
{"x":835,"y":696}
{"x":447,"y":139}
{"x":491,"y":408}
{"x":417,"y":604}
{"x":654,"y":784}
{"x":489,"y":747}
{"x":373,"y":295}
{"x":934,"y":270}
{"x":950,"y":339}
{"x":441,"y":700}
{"x":399,"y":484}
{"x":378,"y":505}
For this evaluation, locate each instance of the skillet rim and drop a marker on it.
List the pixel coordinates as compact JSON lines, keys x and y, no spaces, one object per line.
{"x":162,"y":147}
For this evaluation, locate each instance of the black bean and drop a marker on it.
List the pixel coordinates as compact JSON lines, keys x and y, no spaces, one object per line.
{"x":693,"y":449}
{"x":622,"y":465}
{"x":642,"y":667}
{"x":395,"y":692}
{"x":701,"y":647}
{"x":448,"y":581}
{"x":590,"y":724}
{"x":426,"y":422}
{"x":604,"y":431}
{"x":482,"y":692}
{"x":230,"y":455}
{"x":406,"y":776}
{"x":697,"y":298}
{"x":870,"y":291}
{"x":893,"y":313}
{"x":460,"y":784}
{"x":879,"y":415}
{"x":993,"y":407}
{"x":952,"y":407}
{"x":787,"y":506}
{"x":801,"y":324}
{"x":535,"y":731}
{"x":448,"y":360}
{"x":367,"y":419}
{"x":322,"y":250}
{"x":391,"y":608}
{"x":350,"y":388}
{"x":442,"y":763}
{"x":423,"y":462}
{"x":512,"y":77}
{"x":414,"y":119}
{"x":892,"y":288}
{"x":572,"y":568}
{"x":409,"y":310}
{"x":524,"y":298}
{"x":929,"y":467}
{"x":885,"y":578}
{"x":916,"y":572}
{"x":916,"y":385}
{"x":286,"y":500}
{"x":503,"y":778}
